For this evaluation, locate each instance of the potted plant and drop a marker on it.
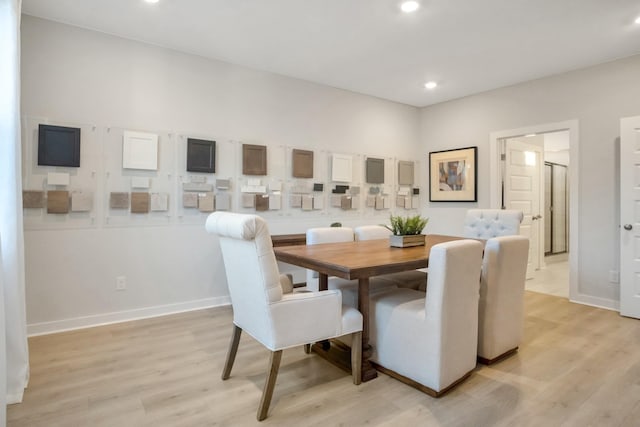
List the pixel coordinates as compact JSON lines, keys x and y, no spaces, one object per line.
{"x":406,"y":231}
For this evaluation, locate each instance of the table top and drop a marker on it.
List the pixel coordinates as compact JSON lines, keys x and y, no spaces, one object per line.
{"x":359,"y":259}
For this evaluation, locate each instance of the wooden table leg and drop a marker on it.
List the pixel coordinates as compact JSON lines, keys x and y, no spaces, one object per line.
{"x":368,"y":371}
{"x":323,"y":285}
{"x":323,"y":282}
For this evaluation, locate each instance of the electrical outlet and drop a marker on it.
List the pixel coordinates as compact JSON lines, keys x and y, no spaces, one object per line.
{"x":614,"y":276}
{"x":121,"y":283}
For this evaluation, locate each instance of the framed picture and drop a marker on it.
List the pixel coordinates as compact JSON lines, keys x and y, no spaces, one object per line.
{"x":453,"y":175}
{"x":201,"y":155}
{"x":58,"y":146}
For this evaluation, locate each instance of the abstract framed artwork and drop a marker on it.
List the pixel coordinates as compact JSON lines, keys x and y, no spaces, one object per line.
{"x":453,"y":175}
{"x":58,"y":146}
{"x":201,"y":155}
{"x":139,"y":150}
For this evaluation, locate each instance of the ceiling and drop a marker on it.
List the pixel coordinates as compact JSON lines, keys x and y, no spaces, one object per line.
{"x":370,"y":46}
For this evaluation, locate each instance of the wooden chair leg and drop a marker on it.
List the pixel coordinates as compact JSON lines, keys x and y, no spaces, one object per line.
{"x":356,"y":357}
{"x":269,"y":384}
{"x":231,"y":354}
{"x":307,"y":348}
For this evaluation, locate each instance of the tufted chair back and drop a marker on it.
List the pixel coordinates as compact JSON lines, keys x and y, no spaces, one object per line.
{"x":488,"y":223}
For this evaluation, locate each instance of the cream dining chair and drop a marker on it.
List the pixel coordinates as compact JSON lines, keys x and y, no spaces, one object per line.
{"x":349,"y":288}
{"x":501,"y":311}
{"x":414,"y":279}
{"x":430,"y":342}
{"x":276,"y":320}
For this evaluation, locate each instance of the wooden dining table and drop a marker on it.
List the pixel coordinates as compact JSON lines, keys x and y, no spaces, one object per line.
{"x":359,"y":260}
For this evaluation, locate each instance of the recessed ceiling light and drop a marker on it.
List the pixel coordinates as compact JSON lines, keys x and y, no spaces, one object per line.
{"x":152,"y":1}
{"x":637,"y":21}
{"x":409,"y":6}
{"x":430,"y":85}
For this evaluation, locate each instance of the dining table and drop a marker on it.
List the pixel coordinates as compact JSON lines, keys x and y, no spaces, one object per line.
{"x":358,"y":260}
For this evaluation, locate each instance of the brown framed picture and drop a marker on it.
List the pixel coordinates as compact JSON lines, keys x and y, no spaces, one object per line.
{"x":453,"y":175}
{"x":254,"y":159}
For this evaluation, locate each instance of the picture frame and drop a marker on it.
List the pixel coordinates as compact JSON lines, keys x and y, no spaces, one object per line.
{"x":201,"y":155}
{"x":58,"y":146}
{"x":453,"y":175}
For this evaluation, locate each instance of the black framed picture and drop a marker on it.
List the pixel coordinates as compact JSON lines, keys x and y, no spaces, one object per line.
{"x":453,"y":175}
{"x":58,"y":146}
{"x":201,"y":155}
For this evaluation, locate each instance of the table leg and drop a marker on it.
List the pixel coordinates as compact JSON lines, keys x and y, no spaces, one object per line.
{"x":323,"y":285}
{"x":368,"y":371}
{"x":323,"y":282}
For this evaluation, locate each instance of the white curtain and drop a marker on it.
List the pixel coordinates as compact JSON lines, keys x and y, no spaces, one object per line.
{"x":12,"y":239}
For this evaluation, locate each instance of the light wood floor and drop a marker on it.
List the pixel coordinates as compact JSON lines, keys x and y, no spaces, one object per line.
{"x":578,"y":366}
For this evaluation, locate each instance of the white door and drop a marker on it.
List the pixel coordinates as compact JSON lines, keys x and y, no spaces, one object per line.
{"x":630,"y":217}
{"x":523,"y":175}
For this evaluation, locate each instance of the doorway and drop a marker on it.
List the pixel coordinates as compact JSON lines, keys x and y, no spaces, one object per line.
{"x":553,"y":275}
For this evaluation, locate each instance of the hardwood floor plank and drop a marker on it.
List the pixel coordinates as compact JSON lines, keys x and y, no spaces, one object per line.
{"x":577,"y":366}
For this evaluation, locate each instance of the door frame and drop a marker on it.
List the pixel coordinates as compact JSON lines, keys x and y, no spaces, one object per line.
{"x":574,"y":186}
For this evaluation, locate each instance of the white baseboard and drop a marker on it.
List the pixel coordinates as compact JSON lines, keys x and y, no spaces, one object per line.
{"x":55,"y":326}
{"x":596,"y":302}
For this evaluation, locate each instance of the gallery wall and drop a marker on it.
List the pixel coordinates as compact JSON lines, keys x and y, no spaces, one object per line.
{"x":597,"y":97}
{"x":99,"y":82}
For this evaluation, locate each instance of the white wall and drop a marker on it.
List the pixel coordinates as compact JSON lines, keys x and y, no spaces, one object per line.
{"x":74,"y":75}
{"x":597,"y":97}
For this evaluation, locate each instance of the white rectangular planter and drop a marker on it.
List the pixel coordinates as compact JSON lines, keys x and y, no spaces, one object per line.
{"x":406,"y":241}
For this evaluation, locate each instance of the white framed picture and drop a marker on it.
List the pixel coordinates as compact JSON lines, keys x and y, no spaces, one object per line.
{"x":139,"y":150}
{"x":341,"y":168}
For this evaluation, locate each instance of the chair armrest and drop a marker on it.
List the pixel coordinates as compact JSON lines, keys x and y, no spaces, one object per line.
{"x":306,"y":317}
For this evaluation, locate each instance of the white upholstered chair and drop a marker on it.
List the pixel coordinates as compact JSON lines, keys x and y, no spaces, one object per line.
{"x":500,"y":312}
{"x":430,"y":341}
{"x":488,"y":223}
{"x":276,"y":320}
{"x":319,"y":235}
{"x":349,"y":288}
{"x":414,"y":279}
